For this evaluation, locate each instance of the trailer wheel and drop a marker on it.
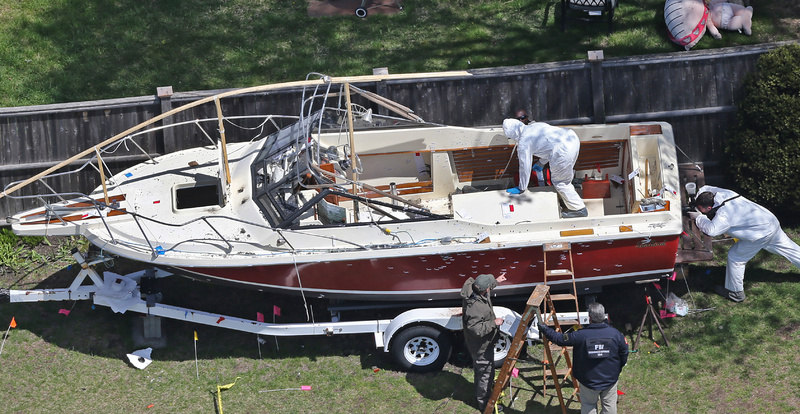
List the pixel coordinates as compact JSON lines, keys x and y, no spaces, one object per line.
{"x":421,"y":349}
{"x":501,"y":348}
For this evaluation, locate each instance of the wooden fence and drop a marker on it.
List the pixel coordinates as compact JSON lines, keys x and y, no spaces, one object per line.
{"x":696,"y":91}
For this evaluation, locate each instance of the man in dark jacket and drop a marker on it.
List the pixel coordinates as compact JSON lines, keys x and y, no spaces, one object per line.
{"x":599,"y":353}
{"x":480,"y":331}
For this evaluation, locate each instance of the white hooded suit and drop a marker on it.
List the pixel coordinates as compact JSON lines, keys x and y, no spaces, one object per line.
{"x":754,"y":226}
{"x":558,"y":146}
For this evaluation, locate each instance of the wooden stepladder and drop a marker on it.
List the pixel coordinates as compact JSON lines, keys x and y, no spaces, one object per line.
{"x":550,"y":369}
{"x":562,"y":271}
{"x":540,"y":295}
{"x":531,"y":310}
{"x":558,"y":268}
{"x":559,"y":255}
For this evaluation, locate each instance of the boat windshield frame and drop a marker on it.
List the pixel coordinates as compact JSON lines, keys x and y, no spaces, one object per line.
{"x":285,"y":166}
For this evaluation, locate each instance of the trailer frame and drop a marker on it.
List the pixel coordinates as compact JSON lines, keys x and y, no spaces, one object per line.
{"x":426,"y":349}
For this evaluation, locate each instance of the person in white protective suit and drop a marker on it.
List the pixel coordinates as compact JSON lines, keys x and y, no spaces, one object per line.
{"x":559,"y":147}
{"x":753,"y":226}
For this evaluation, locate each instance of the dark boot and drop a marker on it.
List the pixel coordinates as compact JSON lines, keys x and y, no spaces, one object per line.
{"x":727,"y":294}
{"x":574,"y":213}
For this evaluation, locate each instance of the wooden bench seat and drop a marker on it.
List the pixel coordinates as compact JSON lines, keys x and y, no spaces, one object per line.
{"x":488,"y":163}
{"x":602,"y":154}
{"x":492,"y":163}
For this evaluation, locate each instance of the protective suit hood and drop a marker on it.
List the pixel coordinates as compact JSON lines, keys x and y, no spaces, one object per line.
{"x":512,"y":128}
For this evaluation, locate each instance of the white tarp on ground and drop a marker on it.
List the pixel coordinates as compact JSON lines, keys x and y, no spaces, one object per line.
{"x":141,"y":358}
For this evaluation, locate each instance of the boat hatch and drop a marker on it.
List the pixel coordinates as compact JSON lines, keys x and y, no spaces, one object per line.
{"x":197,"y":195}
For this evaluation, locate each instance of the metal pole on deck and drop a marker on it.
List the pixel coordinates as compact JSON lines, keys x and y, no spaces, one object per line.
{"x":354,"y":174}
{"x":224,"y":144}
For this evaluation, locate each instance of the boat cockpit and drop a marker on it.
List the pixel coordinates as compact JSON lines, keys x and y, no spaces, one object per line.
{"x":317,"y":173}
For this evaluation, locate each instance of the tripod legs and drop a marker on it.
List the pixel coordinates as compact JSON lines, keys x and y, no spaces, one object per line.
{"x":650,"y":312}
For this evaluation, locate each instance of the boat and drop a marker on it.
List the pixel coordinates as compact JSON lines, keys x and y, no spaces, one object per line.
{"x":358,"y":198}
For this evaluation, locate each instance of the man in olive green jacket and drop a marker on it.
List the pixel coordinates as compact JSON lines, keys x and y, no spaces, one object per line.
{"x":480,"y":331}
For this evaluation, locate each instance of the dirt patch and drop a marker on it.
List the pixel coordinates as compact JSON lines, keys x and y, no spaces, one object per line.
{"x":317,"y":8}
{"x":785,"y":332}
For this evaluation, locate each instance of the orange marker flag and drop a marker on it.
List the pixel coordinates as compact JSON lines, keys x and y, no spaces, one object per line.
{"x":13,"y":324}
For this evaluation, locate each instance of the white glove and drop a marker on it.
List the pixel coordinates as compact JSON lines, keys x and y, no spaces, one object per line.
{"x":694,"y":214}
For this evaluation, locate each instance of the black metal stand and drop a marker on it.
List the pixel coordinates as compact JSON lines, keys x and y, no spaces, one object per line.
{"x":653,"y":317}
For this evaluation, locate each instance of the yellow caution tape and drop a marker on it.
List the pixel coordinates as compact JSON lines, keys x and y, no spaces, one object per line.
{"x":221,"y":388}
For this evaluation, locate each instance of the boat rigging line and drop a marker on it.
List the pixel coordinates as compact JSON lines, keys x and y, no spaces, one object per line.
{"x":309,"y":313}
{"x":688,"y":158}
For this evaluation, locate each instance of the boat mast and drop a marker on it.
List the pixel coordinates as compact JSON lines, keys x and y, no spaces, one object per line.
{"x":226,"y":169}
{"x":352,"y":148}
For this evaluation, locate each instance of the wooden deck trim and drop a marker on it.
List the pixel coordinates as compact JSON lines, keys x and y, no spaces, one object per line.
{"x":416,"y":187}
{"x":73,"y":218}
{"x":83,"y":204}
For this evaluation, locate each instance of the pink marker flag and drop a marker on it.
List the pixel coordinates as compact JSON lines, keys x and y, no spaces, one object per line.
{"x":515,"y":373}
{"x":64,"y":312}
{"x":259,"y":317}
{"x":305,"y":388}
{"x":276,"y":310}
{"x":658,"y":286}
{"x":674,"y":276}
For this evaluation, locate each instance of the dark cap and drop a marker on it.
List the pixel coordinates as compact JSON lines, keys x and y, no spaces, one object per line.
{"x":484,"y":282}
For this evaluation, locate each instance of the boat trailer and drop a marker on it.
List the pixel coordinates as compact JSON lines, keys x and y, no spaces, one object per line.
{"x":419,"y":339}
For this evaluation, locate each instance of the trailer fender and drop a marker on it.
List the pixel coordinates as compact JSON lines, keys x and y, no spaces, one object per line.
{"x":446,"y":318}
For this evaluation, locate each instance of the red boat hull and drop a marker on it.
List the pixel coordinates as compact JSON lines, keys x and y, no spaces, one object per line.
{"x":442,"y":276}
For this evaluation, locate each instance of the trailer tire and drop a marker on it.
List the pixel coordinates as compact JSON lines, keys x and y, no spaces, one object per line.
{"x":501,"y":348}
{"x":421,"y":349}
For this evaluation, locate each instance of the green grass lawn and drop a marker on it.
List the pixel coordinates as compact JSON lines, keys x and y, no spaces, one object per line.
{"x":55,"y":51}
{"x":729,"y":358}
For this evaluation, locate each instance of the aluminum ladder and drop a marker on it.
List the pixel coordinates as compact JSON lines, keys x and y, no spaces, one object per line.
{"x":560,"y":270}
